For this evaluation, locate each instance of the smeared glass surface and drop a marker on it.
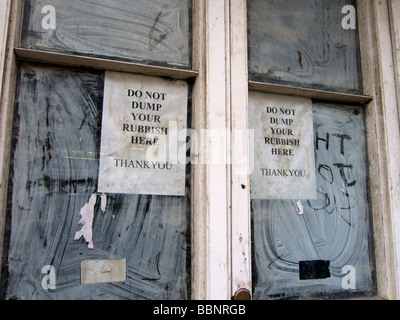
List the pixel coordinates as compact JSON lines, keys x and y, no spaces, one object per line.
{"x":54,"y":175}
{"x":334,"y":228}
{"x":154,"y":32}
{"x":303,"y":43}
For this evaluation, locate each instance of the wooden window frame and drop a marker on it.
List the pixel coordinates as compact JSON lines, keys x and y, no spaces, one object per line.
{"x":11,"y":22}
{"x":381,"y":78}
{"x":221,"y":225}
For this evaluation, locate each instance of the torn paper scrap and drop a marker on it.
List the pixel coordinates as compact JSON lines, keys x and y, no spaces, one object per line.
{"x":300,"y":207}
{"x":103,"y":198}
{"x":87,"y":214}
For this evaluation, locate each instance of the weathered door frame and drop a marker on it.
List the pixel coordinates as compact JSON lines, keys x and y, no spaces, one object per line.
{"x":221,"y":241}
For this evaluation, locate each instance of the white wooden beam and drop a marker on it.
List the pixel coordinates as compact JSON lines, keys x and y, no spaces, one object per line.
{"x":218,"y":269}
{"x":240,"y":149}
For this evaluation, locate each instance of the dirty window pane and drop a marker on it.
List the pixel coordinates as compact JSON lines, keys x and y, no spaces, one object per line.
{"x":319,"y":247}
{"x":56,"y":145}
{"x":303,"y":43}
{"x":151,"y":32}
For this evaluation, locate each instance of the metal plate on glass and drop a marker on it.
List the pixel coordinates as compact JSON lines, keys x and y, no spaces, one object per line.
{"x":97,"y":271}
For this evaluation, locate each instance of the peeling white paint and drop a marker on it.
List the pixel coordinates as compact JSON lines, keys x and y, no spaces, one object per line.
{"x":300,"y":207}
{"x":87,"y":214}
{"x":103,"y":202}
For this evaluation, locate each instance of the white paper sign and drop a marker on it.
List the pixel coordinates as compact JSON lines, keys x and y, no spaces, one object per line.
{"x":284,"y":165}
{"x":142,"y":118}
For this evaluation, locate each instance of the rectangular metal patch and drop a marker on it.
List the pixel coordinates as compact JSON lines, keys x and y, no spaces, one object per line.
{"x":98,"y":271}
